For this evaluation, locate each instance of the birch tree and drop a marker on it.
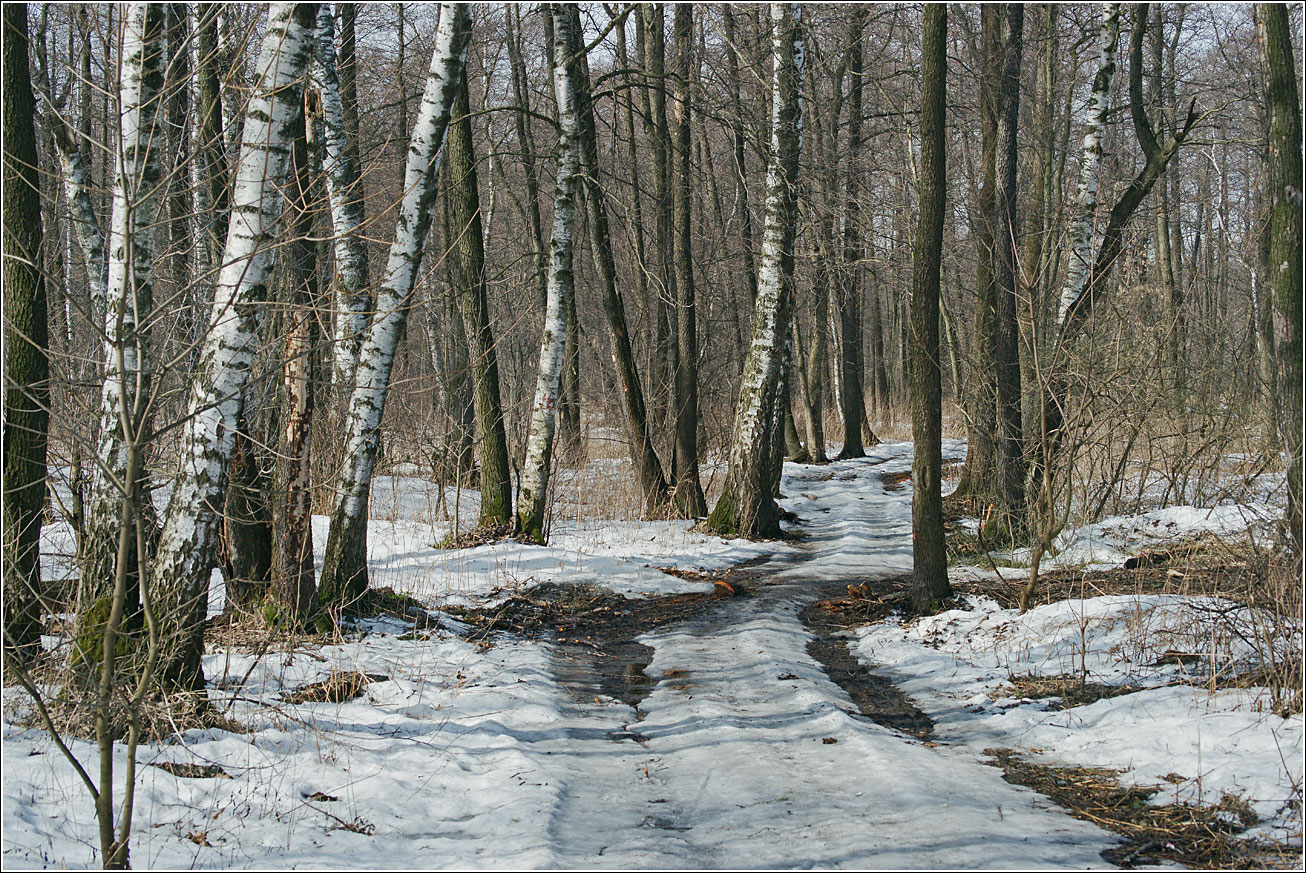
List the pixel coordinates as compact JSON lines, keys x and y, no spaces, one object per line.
{"x":125,"y":390}
{"x":747,"y":505}
{"x":344,"y":567}
{"x":188,"y":541}
{"x":1085,"y":202}
{"x":561,"y":288}
{"x":347,"y":215}
{"x":1080,"y":293}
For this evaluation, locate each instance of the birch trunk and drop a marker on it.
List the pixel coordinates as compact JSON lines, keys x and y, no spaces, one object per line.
{"x":187,"y":545}
{"x":344,"y":567}
{"x":746,"y":506}
{"x":1085,"y":202}
{"x":352,"y":299}
{"x":539,"y":442}
{"x":1080,"y":296}
{"x":125,"y":391}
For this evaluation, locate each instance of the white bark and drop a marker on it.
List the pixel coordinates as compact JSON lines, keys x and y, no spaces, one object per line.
{"x":185,"y":552}
{"x":544,"y":410}
{"x":351,"y":297}
{"x":1085,"y":204}
{"x":372,"y":375}
{"x":127,"y":294}
{"x":762,"y":369}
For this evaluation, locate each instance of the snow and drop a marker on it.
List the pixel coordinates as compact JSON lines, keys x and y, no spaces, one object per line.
{"x":472,"y":757}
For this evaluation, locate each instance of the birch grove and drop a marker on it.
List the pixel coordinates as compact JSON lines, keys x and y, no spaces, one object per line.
{"x":793,"y":252}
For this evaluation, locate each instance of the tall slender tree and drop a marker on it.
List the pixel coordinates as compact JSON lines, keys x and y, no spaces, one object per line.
{"x":539,"y":442}
{"x":26,"y":368}
{"x":186,"y":546}
{"x":929,"y":552}
{"x":467,"y":234}
{"x":688,"y":490}
{"x":1006,"y":232}
{"x":344,"y":565}
{"x":850,"y":289}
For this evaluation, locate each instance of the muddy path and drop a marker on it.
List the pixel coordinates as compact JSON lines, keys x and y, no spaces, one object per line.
{"x":595,"y":635}
{"x":736,"y":728}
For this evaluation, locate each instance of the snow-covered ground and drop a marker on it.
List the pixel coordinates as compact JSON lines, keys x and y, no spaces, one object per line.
{"x":743,"y":754}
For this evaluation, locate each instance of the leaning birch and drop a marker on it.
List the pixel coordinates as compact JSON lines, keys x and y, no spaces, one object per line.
{"x":561,"y":289}
{"x":344,"y":567}
{"x":746,"y":505}
{"x":188,"y":542}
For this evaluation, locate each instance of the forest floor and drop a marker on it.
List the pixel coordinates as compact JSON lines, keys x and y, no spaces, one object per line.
{"x":641,"y":695}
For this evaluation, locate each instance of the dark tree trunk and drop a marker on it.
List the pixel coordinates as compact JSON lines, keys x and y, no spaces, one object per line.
{"x":850,"y":296}
{"x":688,"y":490}
{"x":1285,"y":275}
{"x":294,"y":585}
{"x":648,"y":468}
{"x":1011,"y":470}
{"x":978,"y":478}
{"x":27,"y":390}
{"x":469,"y":267}
{"x":929,"y":555}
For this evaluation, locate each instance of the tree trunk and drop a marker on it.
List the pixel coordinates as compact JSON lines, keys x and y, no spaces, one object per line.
{"x":688,"y":490}
{"x":27,"y":369}
{"x":1011,"y":469}
{"x":352,"y":297}
{"x":747,"y":506}
{"x":469,"y":271}
{"x":186,"y":547}
{"x":539,"y":442}
{"x":929,"y":553}
{"x":648,"y":468}
{"x":850,"y":297}
{"x":292,"y":520}
{"x":979,"y":477}
{"x":126,"y":389}
{"x":1285,"y":274}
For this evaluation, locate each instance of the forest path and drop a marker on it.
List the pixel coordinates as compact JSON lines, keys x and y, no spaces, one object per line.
{"x":745,"y":754}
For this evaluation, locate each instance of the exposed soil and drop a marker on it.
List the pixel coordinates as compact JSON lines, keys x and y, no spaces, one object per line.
{"x":875,"y":695}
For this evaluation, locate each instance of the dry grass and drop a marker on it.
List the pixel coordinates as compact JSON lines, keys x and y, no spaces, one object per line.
{"x":1205,"y":837}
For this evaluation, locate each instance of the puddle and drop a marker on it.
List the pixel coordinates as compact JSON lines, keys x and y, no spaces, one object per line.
{"x":617,"y":671}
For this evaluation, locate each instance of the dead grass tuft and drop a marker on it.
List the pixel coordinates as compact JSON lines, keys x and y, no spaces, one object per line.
{"x":1204,"y":837}
{"x":341,"y":686}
